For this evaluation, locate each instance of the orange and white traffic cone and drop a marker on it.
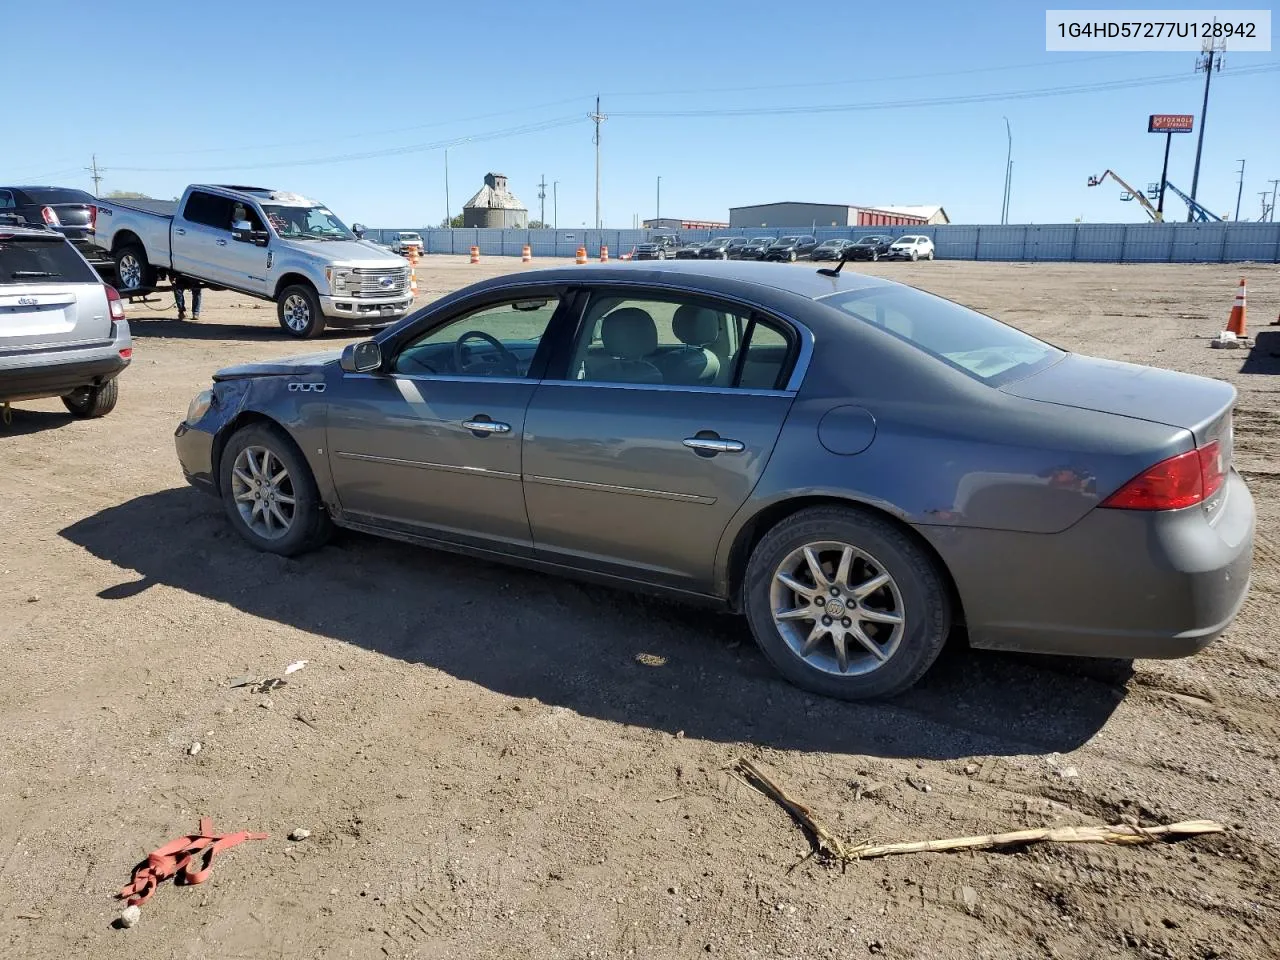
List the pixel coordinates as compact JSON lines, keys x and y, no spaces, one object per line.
{"x":604,"y":253}
{"x":1236,"y":322}
{"x":582,"y":255}
{"x":475,"y":254}
{"x":526,"y":255}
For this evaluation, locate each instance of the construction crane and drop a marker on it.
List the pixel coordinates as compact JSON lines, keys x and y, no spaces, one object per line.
{"x":1199,"y":212}
{"x":1130,"y":194}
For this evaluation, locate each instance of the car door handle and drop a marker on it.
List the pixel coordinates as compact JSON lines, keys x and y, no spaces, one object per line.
{"x":220,"y":242}
{"x":714,"y":444}
{"x":486,"y":426}
{"x":180,"y":232}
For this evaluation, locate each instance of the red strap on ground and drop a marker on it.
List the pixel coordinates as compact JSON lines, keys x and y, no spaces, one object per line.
{"x":180,"y":859}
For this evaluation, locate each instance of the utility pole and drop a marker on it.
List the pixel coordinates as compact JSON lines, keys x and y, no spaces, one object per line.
{"x":95,"y":174}
{"x":596,"y":118}
{"x":1265,"y":209}
{"x":555,"y":204}
{"x":1239,"y":189}
{"x":1207,"y":64}
{"x":1008,"y":172}
{"x":448,"y":220}
{"x":658,"y":215}
{"x":1274,"y":183}
{"x":542,"y":201}
{"x":1008,"y":186}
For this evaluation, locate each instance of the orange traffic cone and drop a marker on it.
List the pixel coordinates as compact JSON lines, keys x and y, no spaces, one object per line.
{"x":582,"y":255}
{"x":604,"y":253}
{"x":1236,"y":322}
{"x":475,"y":254}
{"x":526,"y":255}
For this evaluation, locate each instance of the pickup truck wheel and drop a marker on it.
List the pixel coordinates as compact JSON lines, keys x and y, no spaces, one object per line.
{"x":133,"y":272}
{"x":299,"y":312}
{"x":89,"y":403}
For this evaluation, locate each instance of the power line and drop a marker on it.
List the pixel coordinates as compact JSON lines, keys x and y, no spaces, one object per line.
{"x":374,"y":154}
{"x":1041,"y":93}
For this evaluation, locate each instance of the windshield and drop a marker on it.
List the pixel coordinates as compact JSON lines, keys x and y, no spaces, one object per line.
{"x":789,"y":240}
{"x":721,"y":242}
{"x":978,"y":345}
{"x":763,"y":240}
{"x":306,"y":223}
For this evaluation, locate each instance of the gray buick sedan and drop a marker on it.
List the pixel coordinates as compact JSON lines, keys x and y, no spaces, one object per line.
{"x":854,"y":465}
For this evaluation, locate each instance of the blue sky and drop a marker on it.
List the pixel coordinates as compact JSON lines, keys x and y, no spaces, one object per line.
{"x":272,"y":93}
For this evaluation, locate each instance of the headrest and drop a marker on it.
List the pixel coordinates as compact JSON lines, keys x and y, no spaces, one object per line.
{"x":629,"y":334}
{"x":696,"y":326}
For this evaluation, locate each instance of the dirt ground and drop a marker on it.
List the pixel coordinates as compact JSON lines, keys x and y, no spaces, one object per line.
{"x":494,"y":763}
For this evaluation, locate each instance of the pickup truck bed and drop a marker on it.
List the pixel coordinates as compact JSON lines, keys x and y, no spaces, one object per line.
{"x":163,"y":208}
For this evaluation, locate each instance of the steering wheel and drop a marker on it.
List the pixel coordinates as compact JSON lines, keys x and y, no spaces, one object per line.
{"x":508,"y":364}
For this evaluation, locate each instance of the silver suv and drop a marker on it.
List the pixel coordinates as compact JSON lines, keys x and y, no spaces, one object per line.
{"x":62,"y":330}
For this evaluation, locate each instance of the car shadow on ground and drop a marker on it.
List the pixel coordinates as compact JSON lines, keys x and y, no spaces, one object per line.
{"x":26,"y":422}
{"x":166,"y":328}
{"x":603,"y":653}
{"x":1264,"y":355}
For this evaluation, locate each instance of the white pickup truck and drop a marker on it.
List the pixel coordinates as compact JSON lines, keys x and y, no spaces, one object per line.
{"x":265,"y":243}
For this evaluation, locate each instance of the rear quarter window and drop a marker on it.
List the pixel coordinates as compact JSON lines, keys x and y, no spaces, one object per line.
{"x":37,"y":260}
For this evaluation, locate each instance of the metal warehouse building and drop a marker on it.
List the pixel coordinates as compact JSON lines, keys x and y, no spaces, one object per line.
{"x":808,"y":216}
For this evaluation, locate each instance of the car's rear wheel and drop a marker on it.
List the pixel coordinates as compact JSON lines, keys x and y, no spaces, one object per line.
{"x":269,"y":494}
{"x":88,"y":403}
{"x":843,"y":603}
{"x":298,"y":308}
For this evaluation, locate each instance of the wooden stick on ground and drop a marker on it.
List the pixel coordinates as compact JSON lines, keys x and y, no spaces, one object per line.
{"x":826,"y":843}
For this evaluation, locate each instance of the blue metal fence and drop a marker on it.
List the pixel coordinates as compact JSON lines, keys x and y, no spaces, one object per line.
{"x":1224,"y":242}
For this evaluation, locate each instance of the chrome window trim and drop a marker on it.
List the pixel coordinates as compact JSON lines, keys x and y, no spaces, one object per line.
{"x":429,"y":465}
{"x":619,"y":488}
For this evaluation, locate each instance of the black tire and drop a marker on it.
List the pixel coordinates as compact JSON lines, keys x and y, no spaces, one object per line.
{"x":134,"y":272}
{"x":311,"y":526}
{"x":925,"y":601}
{"x":89,"y":403}
{"x":287,"y":307}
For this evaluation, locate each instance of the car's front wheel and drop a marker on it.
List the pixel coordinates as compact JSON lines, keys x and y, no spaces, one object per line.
{"x":843,"y":603}
{"x":298,"y":309}
{"x":89,"y":403}
{"x":929,"y":255}
{"x":269,"y":494}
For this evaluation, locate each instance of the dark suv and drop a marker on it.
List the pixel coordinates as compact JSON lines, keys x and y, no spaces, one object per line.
{"x":721,"y":248}
{"x":869,"y":248}
{"x":72,"y":213}
{"x":791,"y":248}
{"x":657,"y":248}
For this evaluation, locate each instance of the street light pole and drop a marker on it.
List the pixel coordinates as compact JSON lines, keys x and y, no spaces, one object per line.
{"x":1008,"y":166}
{"x":1239,"y":190}
{"x":658,"y":215}
{"x":448,"y":220}
{"x":555,"y":204}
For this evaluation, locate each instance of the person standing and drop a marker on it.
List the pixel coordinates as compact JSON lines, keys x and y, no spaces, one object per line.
{"x":180,"y":285}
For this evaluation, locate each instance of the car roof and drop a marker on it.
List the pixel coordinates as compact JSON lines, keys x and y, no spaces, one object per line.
{"x":797,"y":281}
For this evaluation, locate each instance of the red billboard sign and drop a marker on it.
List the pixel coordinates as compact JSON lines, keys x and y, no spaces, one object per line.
{"x":1170,"y":123}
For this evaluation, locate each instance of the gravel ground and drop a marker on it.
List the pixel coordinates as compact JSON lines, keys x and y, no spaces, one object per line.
{"x":495,"y":763}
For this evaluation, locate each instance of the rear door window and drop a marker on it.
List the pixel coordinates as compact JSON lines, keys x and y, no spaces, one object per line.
{"x":208,"y":209}
{"x":38,"y":260}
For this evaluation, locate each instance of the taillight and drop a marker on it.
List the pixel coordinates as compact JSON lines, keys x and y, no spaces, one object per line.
{"x":1180,"y":481}
{"x":114,"y":303}
{"x":93,"y":218}
{"x":50,"y":216}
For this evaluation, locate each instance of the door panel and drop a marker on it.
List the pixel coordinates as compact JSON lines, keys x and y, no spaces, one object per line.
{"x":399,"y":451}
{"x":610,"y":484}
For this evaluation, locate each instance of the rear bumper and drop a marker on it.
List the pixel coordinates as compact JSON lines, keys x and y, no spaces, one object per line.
{"x":55,"y":373}
{"x":1118,"y":584}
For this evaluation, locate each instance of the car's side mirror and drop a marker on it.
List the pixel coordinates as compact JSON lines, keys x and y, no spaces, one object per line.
{"x":242,"y":231}
{"x":359,"y":229}
{"x":364,"y":356}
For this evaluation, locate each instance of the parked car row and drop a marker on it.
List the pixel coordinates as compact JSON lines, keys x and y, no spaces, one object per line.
{"x":789,"y":248}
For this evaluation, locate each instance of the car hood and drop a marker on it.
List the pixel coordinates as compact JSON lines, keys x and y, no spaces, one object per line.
{"x":352,"y":253}
{"x":1185,"y":400}
{"x":282,"y":367}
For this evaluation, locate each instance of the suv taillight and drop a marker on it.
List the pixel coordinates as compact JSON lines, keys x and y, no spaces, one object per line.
{"x":50,"y":216}
{"x":114,"y":303}
{"x":1180,"y":481}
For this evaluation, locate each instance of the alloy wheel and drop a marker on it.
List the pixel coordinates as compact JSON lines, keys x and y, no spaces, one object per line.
{"x":130,"y":271}
{"x":263,"y":492}
{"x":297,"y":312}
{"x":837,"y":607}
